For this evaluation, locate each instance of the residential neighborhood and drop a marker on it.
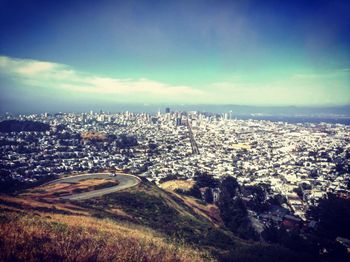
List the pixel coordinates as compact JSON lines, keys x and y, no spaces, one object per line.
{"x":297,"y":163}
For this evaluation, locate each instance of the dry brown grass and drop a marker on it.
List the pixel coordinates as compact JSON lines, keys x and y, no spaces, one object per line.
{"x":177,"y":184}
{"x":50,"y":191}
{"x":74,"y":238}
{"x":40,"y":228}
{"x":120,"y":213}
{"x":209,"y":211}
{"x":25,"y":203}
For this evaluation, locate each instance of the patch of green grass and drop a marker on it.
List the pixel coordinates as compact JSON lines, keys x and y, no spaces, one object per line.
{"x":157,"y":213}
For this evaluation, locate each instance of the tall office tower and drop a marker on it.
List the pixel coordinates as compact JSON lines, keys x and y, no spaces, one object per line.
{"x":167,"y":110}
{"x":178,"y":121}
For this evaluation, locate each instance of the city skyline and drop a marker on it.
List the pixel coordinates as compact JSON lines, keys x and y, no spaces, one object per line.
{"x":195,"y":52}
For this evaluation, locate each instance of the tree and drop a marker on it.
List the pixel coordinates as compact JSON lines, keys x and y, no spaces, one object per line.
{"x":333,"y":215}
{"x":271,"y":234}
{"x":234,"y":215}
{"x":125,"y":141}
{"x":152,"y":146}
{"x":195,"y":192}
{"x":208,"y":196}
{"x":205,"y":180}
{"x":291,"y":239}
{"x":229,"y":184}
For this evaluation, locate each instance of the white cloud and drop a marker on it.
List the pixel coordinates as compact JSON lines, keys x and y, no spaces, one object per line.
{"x":24,"y":66}
{"x":62,"y":77}
{"x":297,"y":89}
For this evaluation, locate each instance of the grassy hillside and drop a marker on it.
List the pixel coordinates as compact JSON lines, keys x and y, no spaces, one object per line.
{"x":150,"y":206}
{"x":143,"y":223}
{"x":39,"y":237}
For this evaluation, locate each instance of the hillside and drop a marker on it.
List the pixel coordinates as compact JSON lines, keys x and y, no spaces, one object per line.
{"x":18,"y":126}
{"x":143,"y":223}
{"x":35,"y":236}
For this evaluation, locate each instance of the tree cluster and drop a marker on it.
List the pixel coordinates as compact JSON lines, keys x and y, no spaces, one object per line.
{"x":233,"y":210}
{"x":332,"y":214}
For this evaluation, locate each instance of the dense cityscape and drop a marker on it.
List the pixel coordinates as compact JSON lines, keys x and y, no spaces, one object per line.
{"x":297,"y":164}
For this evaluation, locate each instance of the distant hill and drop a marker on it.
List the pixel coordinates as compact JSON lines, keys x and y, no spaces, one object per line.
{"x":18,"y":126}
{"x":144,"y":223}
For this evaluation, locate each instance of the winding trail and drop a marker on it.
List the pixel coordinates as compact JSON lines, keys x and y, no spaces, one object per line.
{"x":125,"y":181}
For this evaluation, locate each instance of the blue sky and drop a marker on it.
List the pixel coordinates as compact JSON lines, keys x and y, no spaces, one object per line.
{"x":180,"y":52}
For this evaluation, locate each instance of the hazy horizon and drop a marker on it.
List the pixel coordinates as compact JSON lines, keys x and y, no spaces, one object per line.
{"x":236,"y":110}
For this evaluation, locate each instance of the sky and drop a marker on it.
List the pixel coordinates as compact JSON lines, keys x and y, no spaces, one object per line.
{"x":67,"y":54}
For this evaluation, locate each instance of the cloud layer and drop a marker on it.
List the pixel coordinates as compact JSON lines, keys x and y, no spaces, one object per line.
{"x":328,"y":88}
{"x":61,"y":77}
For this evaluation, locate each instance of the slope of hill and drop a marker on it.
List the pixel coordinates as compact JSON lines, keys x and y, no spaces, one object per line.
{"x":56,"y":237}
{"x":18,"y":126}
{"x":143,"y":223}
